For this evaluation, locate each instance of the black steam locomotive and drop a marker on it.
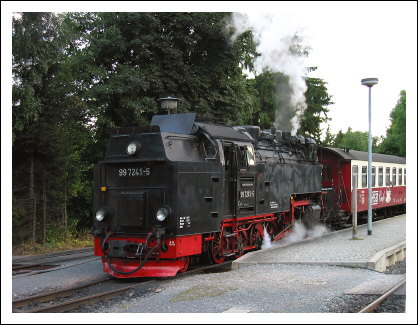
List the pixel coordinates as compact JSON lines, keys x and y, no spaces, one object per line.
{"x":181,"y":188}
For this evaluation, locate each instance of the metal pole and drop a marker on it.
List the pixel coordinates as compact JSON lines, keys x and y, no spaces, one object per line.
{"x":354,"y":205}
{"x":369,"y":82}
{"x":369,"y":169}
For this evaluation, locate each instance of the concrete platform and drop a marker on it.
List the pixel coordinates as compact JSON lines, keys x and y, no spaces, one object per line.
{"x":383,"y":248}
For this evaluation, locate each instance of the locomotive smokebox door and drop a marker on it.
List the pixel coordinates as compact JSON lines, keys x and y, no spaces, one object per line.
{"x":132,"y":209}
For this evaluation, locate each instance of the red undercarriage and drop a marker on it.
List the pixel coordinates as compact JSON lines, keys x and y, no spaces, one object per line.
{"x":152,"y":268}
{"x":235,"y":238}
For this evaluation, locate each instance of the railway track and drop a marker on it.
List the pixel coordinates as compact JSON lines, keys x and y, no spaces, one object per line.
{"x":377,"y":302}
{"x":83,"y":295}
{"x":75,"y":297}
{"x":94,"y":291}
{"x":48,"y":262}
{"x":52,"y":254}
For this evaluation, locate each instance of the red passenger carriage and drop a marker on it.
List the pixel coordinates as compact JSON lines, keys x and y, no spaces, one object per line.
{"x":343,"y":166}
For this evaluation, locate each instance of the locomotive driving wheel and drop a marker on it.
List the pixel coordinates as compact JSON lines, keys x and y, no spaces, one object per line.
{"x":256,"y":238}
{"x":270,"y":230}
{"x":216,"y":249}
{"x":239,"y":246}
{"x":186,"y":260}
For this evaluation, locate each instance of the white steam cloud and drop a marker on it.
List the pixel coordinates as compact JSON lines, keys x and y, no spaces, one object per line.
{"x":266,"y":240}
{"x":274,"y":35}
{"x":299,"y":233}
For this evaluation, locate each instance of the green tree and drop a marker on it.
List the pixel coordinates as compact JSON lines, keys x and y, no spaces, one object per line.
{"x":395,"y":141}
{"x":317,"y":101}
{"x":275,"y":106}
{"x":329,"y":138}
{"x":50,"y":127}
{"x":266,"y":85}
{"x":132,"y":59}
{"x":354,"y":140}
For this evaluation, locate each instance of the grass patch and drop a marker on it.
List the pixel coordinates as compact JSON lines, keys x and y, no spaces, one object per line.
{"x":53,"y":246}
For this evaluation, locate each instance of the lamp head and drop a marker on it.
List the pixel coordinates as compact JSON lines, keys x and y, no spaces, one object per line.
{"x":369,"y":82}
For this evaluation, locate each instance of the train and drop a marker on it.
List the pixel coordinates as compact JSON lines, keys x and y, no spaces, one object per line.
{"x":183,"y":189}
{"x":342,"y":168}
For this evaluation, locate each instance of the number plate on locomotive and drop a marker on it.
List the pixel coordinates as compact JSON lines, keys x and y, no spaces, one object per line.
{"x":134,"y":172}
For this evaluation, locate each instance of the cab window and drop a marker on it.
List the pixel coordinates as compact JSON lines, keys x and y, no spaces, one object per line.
{"x":250,"y":156}
{"x":227,"y":148}
{"x":246,"y":156}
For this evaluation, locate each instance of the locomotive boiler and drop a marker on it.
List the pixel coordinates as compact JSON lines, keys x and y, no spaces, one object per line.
{"x":182,"y":188}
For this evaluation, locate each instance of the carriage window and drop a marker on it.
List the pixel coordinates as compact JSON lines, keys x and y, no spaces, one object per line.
{"x":380,"y":175}
{"x":394,"y":176}
{"x":373,"y":176}
{"x":355,"y":176}
{"x":404,"y":176}
{"x":364,"y":176}
{"x":387,"y":180}
{"x":400,"y":176}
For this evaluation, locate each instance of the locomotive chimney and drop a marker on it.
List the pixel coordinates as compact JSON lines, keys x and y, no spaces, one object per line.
{"x":169,"y":103}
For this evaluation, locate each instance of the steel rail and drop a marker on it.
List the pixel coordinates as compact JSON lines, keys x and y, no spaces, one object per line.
{"x":372,"y":306}
{"x":30,"y":258}
{"x":204,"y":268}
{"x":85,"y":301}
{"x":28,"y":266}
{"x":44,"y":297}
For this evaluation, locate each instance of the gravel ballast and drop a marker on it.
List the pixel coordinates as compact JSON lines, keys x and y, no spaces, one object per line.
{"x":254,"y":289}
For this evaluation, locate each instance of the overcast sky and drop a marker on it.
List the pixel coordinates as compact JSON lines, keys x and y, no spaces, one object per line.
{"x":352,"y":41}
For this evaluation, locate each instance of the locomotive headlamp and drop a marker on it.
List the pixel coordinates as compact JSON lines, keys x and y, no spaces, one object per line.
{"x":100,"y":214}
{"x":132,"y":148}
{"x":162,"y":214}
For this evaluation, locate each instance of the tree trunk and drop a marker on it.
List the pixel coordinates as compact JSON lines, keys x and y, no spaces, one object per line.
{"x":44,"y":208}
{"x":32,"y":199}
{"x":65,"y":215}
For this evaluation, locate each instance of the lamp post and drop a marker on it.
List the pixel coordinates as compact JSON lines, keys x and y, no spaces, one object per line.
{"x":369,"y":82}
{"x":169,"y":103}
